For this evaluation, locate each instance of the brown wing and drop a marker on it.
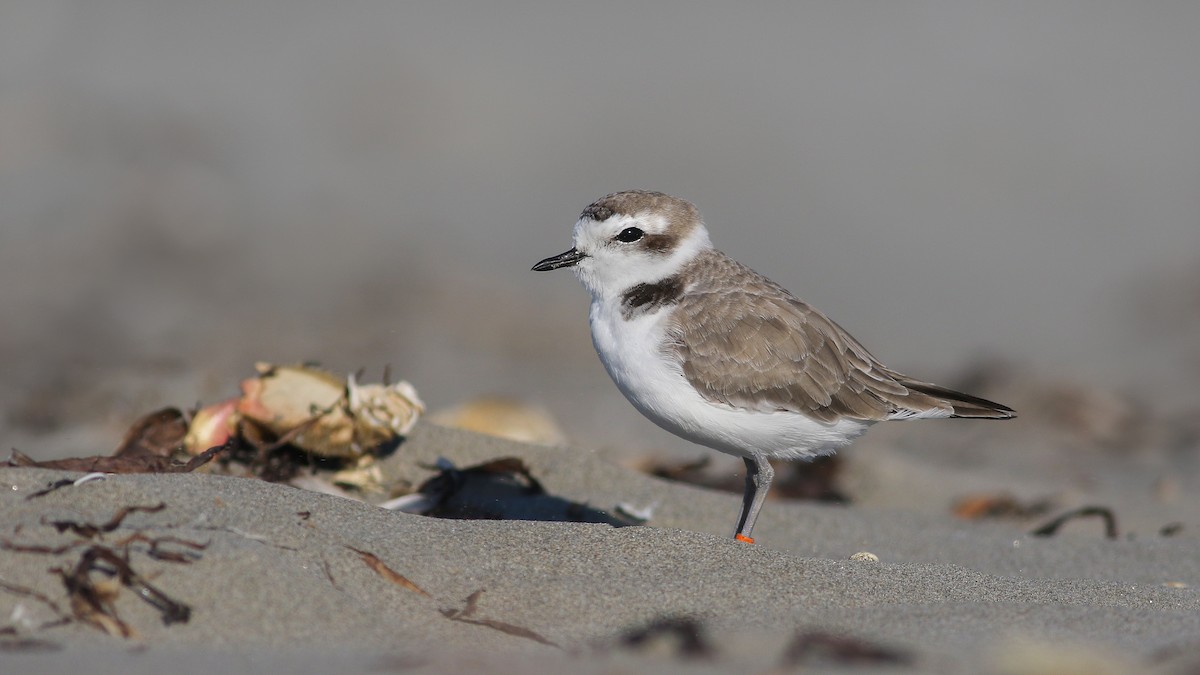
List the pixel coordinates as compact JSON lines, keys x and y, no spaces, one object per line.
{"x":756,"y":346}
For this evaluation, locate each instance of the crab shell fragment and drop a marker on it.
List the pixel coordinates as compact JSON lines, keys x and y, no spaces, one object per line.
{"x":211,"y":426}
{"x":320,"y":413}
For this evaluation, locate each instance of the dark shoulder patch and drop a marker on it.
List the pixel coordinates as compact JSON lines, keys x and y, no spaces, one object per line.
{"x":646,"y":298}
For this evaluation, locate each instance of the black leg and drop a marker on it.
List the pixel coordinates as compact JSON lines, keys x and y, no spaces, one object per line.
{"x":759,"y":474}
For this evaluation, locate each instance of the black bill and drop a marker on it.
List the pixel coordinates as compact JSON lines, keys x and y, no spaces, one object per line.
{"x":565,"y":259}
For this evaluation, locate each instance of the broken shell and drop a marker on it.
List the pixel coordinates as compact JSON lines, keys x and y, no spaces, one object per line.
{"x":211,"y":426}
{"x":282,"y":398}
{"x":637,"y":514}
{"x":319,"y":413}
{"x":365,"y":476}
{"x":382,"y":412}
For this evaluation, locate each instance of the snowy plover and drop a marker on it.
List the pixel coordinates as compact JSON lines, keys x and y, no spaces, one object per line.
{"x":718,"y":354}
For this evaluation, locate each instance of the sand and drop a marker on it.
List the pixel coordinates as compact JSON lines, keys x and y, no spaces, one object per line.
{"x":281,"y":588}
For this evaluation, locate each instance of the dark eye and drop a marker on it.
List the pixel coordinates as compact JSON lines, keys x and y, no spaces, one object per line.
{"x":630,"y":234}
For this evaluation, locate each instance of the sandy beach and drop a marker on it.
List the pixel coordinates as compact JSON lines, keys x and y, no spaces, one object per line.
{"x":282,"y":583}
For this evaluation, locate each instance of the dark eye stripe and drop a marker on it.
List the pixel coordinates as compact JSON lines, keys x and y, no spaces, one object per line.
{"x":659,"y":243}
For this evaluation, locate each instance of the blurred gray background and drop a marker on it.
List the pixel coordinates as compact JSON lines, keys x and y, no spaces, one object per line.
{"x":189,"y":187}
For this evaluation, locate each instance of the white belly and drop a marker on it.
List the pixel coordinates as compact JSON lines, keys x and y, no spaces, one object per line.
{"x":653,"y":381}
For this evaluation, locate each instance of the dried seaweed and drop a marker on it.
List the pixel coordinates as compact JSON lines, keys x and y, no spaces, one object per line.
{"x":693,"y":642}
{"x":94,"y":582}
{"x":202,"y":458}
{"x":56,"y":485}
{"x":155,"y":549}
{"x":92,"y":603}
{"x":1170,"y":529}
{"x":1106,"y":514}
{"x":7,"y":545}
{"x":466,"y":614}
{"x":501,"y":473}
{"x":159,"y":434}
{"x":512,"y":467}
{"x":999,"y":505}
{"x":468,"y":610}
{"x":329,"y":574}
{"x":271,"y":460}
{"x":386,"y":572}
{"x":817,"y":646}
{"x":88,"y":530}
{"x":127,"y":463}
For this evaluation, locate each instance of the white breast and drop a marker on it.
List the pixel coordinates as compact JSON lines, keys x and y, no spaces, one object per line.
{"x":651,"y":377}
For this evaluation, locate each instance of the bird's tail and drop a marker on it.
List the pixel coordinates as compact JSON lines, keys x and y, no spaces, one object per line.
{"x":964,"y":405}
